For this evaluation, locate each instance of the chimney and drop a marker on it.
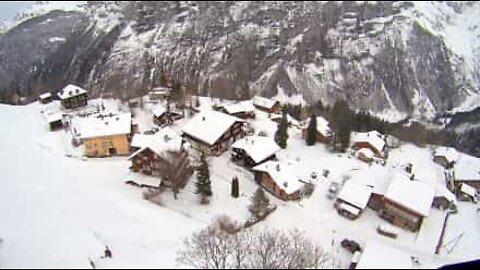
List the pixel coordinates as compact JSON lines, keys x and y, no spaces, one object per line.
{"x":278,"y":167}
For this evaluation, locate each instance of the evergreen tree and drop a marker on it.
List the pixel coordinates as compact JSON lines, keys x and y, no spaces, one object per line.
{"x":203,"y":184}
{"x":281,"y":136}
{"x":235,"y":187}
{"x":341,"y":122}
{"x":259,"y":205}
{"x":311,"y":138}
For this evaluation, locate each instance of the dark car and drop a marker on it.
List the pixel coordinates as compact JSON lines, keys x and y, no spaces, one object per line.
{"x":350,"y":245}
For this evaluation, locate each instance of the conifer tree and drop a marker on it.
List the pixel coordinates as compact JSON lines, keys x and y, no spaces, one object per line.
{"x":311,"y":138}
{"x":259,"y":204}
{"x":203,"y":184}
{"x":235,"y":187}
{"x":281,"y":136}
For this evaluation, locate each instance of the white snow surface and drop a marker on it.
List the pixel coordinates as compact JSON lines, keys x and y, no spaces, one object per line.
{"x":161,"y":142}
{"x":209,"y":126}
{"x":58,"y":209}
{"x":100,"y":125}
{"x":414,"y":195}
{"x":284,"y":174}
{"x":467,"y":168}
{"x":258,"y":148}
{"x":355,"y":193}
{"x":263,"y":102}
{"x":374,"y":138}
{"x":450,"y":154}
{"x":381,"y":256}
{"x":71,"y":91}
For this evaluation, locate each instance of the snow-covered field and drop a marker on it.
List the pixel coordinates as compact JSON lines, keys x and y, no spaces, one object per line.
{"x":59,"y":211}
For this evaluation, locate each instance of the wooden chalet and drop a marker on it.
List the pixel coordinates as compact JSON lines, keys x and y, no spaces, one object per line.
{"x":162,"y":155}
{"x":372,"y":140}
{"x":280,"y":179}
{"x":45,"y":98}
{"x":446,"y":157}
{"x":406,"y":203}
{"x":467,"y":171}
{"x":266,"y":104}
{"x":324,"y":133}
{"x":243,"y":109}
{"x":352,"y":199}
{"x":163,"y":117}
{"x":73,"y":97}
{"x":54,"y":121}
{"x":213,"y":132}
{"x":254,"y":150}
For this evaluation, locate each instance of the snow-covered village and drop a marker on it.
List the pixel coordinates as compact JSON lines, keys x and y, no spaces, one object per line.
{"x":105,"y":183}
{"x":239,"y":135}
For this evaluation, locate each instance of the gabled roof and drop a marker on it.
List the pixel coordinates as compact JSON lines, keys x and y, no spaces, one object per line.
{"x":355,"y":194}
{"x":413,"y":195}
{"x":323,"y":126}
{"x":243,"y":106}
{"x":162,"y":142}
{"x":442,"y":191}
{"x":290,"y":119}
{"x":54,"y":117}
{"x":467,"y":168}
{"x":374,"y":138}
{"x":71,"y":91}
{"x":264,"y":102}
{"x":284,"y":174}
{"x":45,"y":95}
{"x":366,"y":152}
{"x":209,"y":126}
{"x":469,"y":190}
{"x":381,"y":256}
{"x":100,"y":125}
{"x":258,"y":148}
{"x":158,"y":111}
{"x":450,"y":154}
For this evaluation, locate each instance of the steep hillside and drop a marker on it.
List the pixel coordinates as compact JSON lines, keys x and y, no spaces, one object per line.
{"x":396,"y":59}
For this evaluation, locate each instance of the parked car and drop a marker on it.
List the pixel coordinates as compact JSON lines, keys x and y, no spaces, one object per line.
{"x":333,"y":190}
{"x":350,"y":245}
{"x":387,"y":230}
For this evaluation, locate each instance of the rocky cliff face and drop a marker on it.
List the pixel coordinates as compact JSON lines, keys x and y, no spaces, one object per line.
{"x":396,"y":59}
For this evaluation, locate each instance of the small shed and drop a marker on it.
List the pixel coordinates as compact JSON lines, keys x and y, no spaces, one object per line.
{"x":54,"y":121}
{"x":352,"y":199}
{"x":45,"y":98}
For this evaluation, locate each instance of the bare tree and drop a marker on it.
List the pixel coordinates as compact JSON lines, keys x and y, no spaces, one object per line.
{"x":216,"y":248}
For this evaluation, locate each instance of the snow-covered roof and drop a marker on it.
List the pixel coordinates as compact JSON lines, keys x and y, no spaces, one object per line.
{"x":469,"y":190}
{"x":244,"y":106}
{"x":323,"y":126}
{"x":263,"y":102}
{"x":381,"y":256}
{"x":166,"y":140}
{"x":376,"y":177}
{"x":258,"y":148}
{"x":450,"y":154}
{"x":54,"y":117}
{"x":467,"y":168}
{"x":285,"y":174}
{"x":71,"y":91}
{"x":290,"y":119}
{"x":209,"y":126}
{"x":105,"y":125}
{"x":374,"y":138}
{"x":366,"y":152}
{"x":45,"y":95}
{"x":442,"y":191}
{"x":158,"y":110}
{"x":349,"y":208}
{"x":413,"y":195}
{"x":355,"y":194}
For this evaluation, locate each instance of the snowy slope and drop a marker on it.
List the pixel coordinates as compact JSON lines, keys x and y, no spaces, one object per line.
{"x":58,"y":211}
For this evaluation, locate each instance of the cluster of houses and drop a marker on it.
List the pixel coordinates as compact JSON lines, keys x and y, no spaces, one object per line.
{"x":394,"y":195}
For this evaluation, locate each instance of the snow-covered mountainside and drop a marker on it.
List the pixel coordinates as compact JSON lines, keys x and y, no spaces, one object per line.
{"x":396,"y":59}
